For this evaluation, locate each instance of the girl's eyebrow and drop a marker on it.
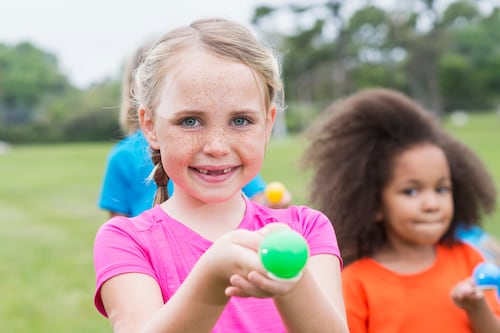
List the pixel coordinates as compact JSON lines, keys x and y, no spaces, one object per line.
{"x":416,"y":181}
{"x":410,"y":181}
{"x":194,"y":112}
{"x":245,"y":111}
{"x":445,"y":179}
{"x":189,"y":112}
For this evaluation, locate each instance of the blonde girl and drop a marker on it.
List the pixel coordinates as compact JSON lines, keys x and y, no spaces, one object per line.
{"x":208,"y":95}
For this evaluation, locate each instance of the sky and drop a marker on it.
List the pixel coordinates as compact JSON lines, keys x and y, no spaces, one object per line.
{"x":92,"y":38}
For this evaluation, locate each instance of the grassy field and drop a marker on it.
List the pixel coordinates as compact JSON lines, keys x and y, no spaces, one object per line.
{"x":49,"y":217}
{"x":482,"y":134}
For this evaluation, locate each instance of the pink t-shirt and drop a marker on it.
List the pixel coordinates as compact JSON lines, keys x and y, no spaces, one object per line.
{"x":155,"y":244}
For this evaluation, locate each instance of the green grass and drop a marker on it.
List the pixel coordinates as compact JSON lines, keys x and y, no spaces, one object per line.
{"x":49,"y":218}
{"x":482,"y":134}
{"x":48,"y":221}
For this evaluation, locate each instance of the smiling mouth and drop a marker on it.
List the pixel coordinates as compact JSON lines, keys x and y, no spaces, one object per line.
{"x":214,"y":172}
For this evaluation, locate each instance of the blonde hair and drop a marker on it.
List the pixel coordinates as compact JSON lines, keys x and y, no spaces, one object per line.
{"x":128,"y":109}
{"x":221,"y":37}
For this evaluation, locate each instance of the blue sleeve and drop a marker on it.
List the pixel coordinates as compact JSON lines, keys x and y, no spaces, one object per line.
{"x":471,"y":235}
{"x":115,"y":184}
{"x":125,"y":187}
{"x":256,"y":186}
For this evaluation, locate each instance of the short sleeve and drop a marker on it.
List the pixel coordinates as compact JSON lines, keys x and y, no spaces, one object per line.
{"x":320,"y":234}
{"x":118,"y":250}
{"x":314,"y":226}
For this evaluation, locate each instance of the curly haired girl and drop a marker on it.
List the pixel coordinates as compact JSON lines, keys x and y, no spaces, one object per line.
{"x":396,"y":186}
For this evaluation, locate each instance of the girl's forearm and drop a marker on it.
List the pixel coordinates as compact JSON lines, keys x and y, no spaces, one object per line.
{"x":483,"y":320}
{"x":307,"y":309}
{"x":195,"y":307}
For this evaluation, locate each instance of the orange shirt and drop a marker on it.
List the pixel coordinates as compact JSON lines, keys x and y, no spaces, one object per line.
{"x":381,"y":301}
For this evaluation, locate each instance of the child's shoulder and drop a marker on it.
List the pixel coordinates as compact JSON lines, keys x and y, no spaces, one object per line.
{"x":302,"y":219}
{"x":290,"y":214}
{"x":131,"y":225}
{"x":461,"y":250}
{"x":361,"y":265}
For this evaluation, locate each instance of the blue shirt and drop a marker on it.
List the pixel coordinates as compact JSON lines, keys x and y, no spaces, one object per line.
{"x":125,"y":187}
{"x":478,"y":238}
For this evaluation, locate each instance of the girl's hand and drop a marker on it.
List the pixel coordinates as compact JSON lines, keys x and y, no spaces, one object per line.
{"x":467,"y":295}
{"x":236,"y":253}
{"x":257,"y":283}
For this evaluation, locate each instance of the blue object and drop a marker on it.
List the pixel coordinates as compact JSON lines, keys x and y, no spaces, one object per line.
{"x":256,"y":186}
{"x":476,"y":237}
{"x":487,"y":275}
{"x":125,"y":188}
{"x":471,"y":235}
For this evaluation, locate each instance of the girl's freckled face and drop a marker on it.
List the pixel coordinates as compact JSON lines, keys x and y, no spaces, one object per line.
{"x":212,"y":125}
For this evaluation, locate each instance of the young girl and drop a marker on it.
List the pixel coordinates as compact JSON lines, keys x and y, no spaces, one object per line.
{"x":396,"y":187}
{"x":125,"y":187}
{"x":206,"y":94}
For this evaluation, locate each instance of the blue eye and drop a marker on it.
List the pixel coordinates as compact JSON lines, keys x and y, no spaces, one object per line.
{"x":240,"y":121}
{"x":189,"y":122}
{"x":410,"y":192}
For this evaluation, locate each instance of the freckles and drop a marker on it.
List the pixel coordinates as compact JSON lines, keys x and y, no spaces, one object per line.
{"x":195,"y":143}
{"x":241,"y":140}
{"x":212,"y":91}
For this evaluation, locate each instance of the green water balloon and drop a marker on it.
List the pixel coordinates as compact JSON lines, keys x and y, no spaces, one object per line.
{"x":284,"y":253}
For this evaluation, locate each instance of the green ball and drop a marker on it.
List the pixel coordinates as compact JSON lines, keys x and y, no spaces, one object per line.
{"x":284,"y":253}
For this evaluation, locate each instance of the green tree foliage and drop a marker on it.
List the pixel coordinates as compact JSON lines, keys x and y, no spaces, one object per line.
{"x":305,"y":49}
{"x":376,"y":59}
{"x":469,"y":72}
{"x":88,"y":115}
{"x":38,"y":103}
{"x":457,"y":73}
{"x":445,"y":59}
{"x":96,"y":116}
{"x":27,"y":75}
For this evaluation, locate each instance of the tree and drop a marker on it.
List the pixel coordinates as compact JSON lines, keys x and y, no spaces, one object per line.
{"x":27,"y":75}
{"x":402,"y":47}
{"x":314,"y":63}
{"x":469,"y":72}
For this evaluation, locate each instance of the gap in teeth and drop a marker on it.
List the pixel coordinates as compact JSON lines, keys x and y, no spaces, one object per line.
{"x":206,"y":172}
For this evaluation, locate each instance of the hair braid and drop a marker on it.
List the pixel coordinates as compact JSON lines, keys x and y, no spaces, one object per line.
{"x":160,"y":177}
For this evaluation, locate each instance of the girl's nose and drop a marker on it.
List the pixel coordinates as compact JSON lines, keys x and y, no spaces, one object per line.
{"x":430,"y":201}
{"x":216,"y":143}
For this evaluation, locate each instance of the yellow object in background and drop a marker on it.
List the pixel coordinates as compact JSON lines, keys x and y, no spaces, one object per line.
{"x":275,"y":192}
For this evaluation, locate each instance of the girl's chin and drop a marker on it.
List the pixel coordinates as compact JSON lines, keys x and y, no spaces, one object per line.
{"x":215,"y":198}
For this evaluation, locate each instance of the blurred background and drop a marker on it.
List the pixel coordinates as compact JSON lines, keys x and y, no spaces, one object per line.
{"x":60,"y":73}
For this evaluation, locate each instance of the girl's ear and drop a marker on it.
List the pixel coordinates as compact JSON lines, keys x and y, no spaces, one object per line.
{"x":148,"y":128}
{"x":270,"y":119}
